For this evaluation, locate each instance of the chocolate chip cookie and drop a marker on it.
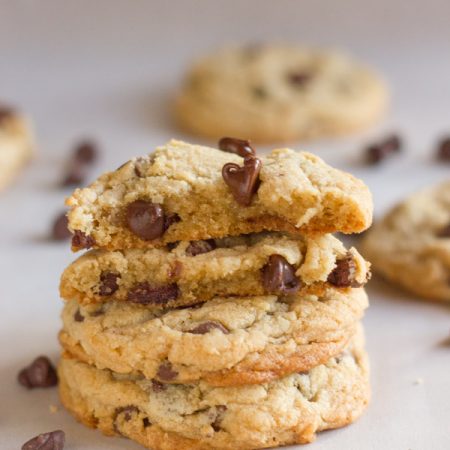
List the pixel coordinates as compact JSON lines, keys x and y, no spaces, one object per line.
{"x":410,"y":246}
{"x":16,"y":144}
{"x":273,"y":93}
{"x":199,"y":416}
{"x":186,"y":192}
{"x":196,"y":271}
{"x":226,"y":341}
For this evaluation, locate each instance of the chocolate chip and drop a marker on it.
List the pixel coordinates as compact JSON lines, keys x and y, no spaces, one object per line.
{"x":220,"y":412}
{"x":146,"y":219}
{"x":240,"y":147}
{"x":199,"y":247}
{"x":243,"y":181}
{"x":444,"y":232}
{"x":298,"y":79}
{"x":279,"y":277}
{"x":171,"y":245}
{"x":127,"y":412}
{"x":40,"y":373}
{"x":375,"y":153}
{"x":60,"y":230}
{"x":259,"y":92}
{"x":145,"y":293}
{"x":206,"y":327}
{"x":443,"y":151}
{"x":158,"y":386}
{"x":86,"y":152}
{"x":54,"y":440}
{"x":146,"y":422}
{"x":166,"y":373}
{"x":344,"y":272}
{"x":81,"y":240}
{"x":170,"y":219}
{"x":6,"y":113}
{"x":392,"y":143}
{"x":78,"y":317}
{"x":108,"y":283}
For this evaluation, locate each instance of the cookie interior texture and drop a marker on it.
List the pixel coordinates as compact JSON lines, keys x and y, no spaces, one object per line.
{"x":273,"y":93}
{"x":199,"y":416}
{"x":183,"y":183}
{"x":410,"y":246}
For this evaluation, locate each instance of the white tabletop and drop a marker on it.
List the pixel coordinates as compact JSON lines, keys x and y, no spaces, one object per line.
{"x":107,"y":68}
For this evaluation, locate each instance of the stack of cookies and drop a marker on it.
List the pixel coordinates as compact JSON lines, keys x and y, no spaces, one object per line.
{"x":216,"y":310}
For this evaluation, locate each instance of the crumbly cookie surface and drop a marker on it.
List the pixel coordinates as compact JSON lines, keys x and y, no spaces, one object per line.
{"x":278,"y":93}
{"x":226,"y":341}
{"x":16,"y":145}
{"x":297,"y":192}
{"x":199,"y":416}
{"x":411,"y":245}
{"x":194,"y":272}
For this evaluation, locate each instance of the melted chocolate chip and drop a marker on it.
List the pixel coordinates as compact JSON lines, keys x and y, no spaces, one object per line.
{"x":40,"y":373}
{"x":146,"y":219}
{"x":344,"y":272}
{"x":220,"y":412}
{"x":206,"y":327}
{"x":81,"y":240}
{"x":108,"y":283}
{"x":240,"y":147}
{"x":145,"y":293}
{"x":54,"y":440}
{"x":444,"y":232}
{"x":243,"y":181}
{"x":199,"y":247}
{"x":60,"y":230}
{"x":157,"y":386}
{"x":78,"y":317}
{"x":298,"y":79}
{"x":279,"y":276}
{"x":443,"y":151}
{"x":166,"y":373}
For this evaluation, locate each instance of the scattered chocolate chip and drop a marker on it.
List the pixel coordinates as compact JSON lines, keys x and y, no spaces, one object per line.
{"x":375,"y":153}
{"x":54,"y":440}
{"x":243,"y":181}
{"x":145,"y":293}
{"x":40,"y":373}
{"x":443,"y":151}
{"x":6,"y":113}
{"x":259,"y":92}
{"x":78,"y":317}
{"x":392,"y":143}
{"x":166,"y":373}
{"x":298,"y":79}
{"x":240,"y":147}
{"x":220,"y":412}
{"x":81,"y":240}
{"x":86,"y":152}
{"x":170,"y":219}
{"x":157,"y":386}
{"x":146,"y":219}
{"x":199,"y":247}
{"x":127,"y":412}
{"x":344,"y":272}
{"x":444,"y":232}
{"x":146,"y":422}
{"x":60,"y":230}
{"x":206,"y":327}
{"x":279,"y":277}
{"x":108,"y":283}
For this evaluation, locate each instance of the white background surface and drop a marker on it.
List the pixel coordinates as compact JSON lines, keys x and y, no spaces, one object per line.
{"x":106,"y":68}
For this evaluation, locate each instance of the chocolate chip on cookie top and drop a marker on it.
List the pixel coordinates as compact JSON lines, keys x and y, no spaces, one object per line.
{"x":53,"y":440}
{"x":241,"y":147}
{"x":243,"y":181}
{"x":40,"y":373}
{"x":279,"y":276}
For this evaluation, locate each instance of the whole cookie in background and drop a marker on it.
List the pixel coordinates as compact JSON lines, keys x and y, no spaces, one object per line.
{"x":410,"y":246}
{"x":16,"y":144}
{"x":271,"y":93}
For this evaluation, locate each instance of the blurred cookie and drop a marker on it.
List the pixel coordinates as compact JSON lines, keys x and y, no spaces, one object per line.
{"x":15,"y":144}
{"x":411,"y":245}
{"x":272,"y":93}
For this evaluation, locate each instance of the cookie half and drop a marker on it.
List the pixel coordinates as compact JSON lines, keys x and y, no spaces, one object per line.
{"x":196,"y":271}
{"x":410,"y":246}
{"x":198,"y":416}
{"x":273,"y":93}
{"x":186,"y":192}
{"x":16,"y":144}
{"x":226,"y":341}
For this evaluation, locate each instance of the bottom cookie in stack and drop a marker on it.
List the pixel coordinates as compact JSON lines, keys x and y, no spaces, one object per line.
{"x":200,"y":416}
